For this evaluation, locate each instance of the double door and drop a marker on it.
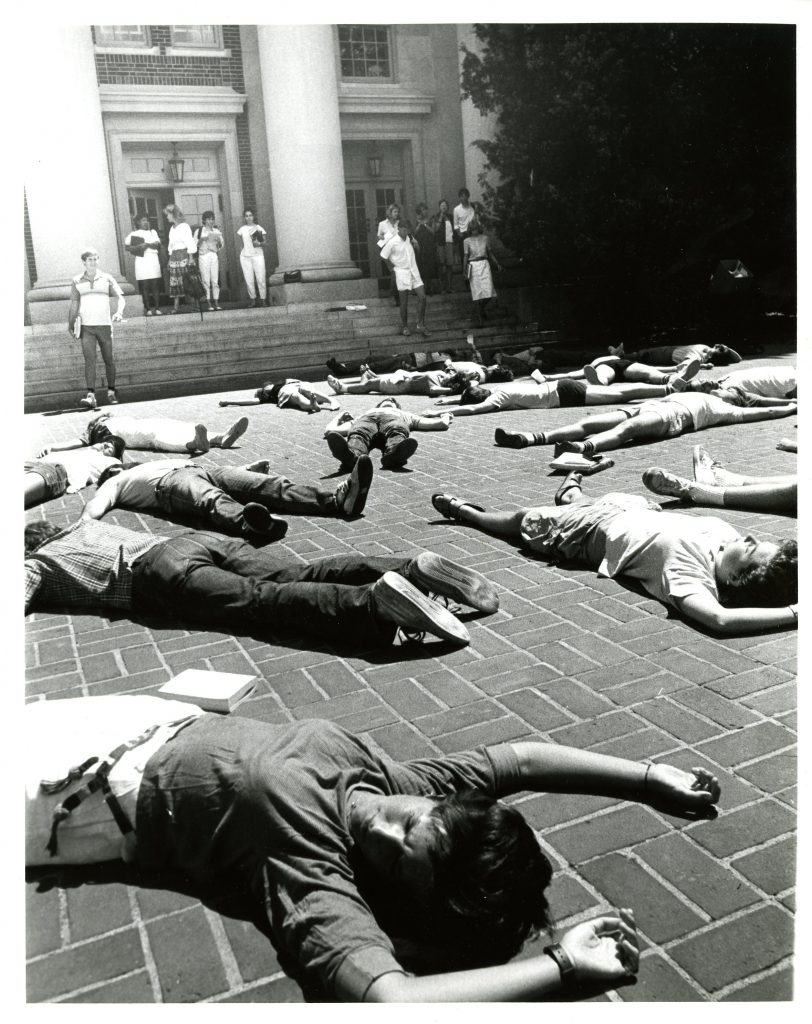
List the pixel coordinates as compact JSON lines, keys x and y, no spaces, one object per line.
{"x":366,"y":208}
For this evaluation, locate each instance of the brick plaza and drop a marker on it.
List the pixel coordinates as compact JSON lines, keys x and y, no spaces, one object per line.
{"x":568,"y":658}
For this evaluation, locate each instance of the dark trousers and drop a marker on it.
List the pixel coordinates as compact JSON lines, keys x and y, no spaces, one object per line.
{"x":377,"y":431}
{"x":218,"y":495}
{"x":218,"y":580}
{"x":149,"y":288}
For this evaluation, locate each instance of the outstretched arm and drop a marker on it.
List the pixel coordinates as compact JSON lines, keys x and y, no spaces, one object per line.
{"x":705,"y":609}
{"x":239,"y":401}
{"x":341,"y":424}
{"x":105,"y":498}
{"x":603,"y":951}
{"x":433,"y":421}
{"x":549,"y":768}
{"x":62,"y":446}
{"x":474,"y":410}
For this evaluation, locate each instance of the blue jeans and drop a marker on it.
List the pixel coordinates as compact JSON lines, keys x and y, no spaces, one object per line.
{"x":218,"y":495}
{"x":221,"y":581}
{"x":383,"y":428}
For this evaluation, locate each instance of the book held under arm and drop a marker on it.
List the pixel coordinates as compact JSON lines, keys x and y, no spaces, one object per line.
{"x":212,"y":691}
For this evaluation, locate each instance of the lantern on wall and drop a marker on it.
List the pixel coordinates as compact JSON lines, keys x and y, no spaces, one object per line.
{"x":176,"y":164}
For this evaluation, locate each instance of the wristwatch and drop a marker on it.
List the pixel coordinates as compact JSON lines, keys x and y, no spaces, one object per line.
{"x":558,"y":954}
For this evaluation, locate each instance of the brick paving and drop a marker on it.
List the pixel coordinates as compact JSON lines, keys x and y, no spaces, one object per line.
{"x":568,"y":658}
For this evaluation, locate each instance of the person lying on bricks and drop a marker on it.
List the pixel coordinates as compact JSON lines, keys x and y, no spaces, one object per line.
{"x":53,"y":474}
{"x":715,"y":485}
{"x":765,"y":381}
{"x":152,"y":433}
{"x":671,"y":416}
{"x":362,"y":869}
{"x":699,"y":565}
{"x":402,"y":382}
{"x":387,"y":427}
{"x":221,"y":581}
{"x":236,"y":500}
{"x":289,"y":393}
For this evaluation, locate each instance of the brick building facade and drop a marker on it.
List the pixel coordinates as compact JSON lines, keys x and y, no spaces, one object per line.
{"x":316,"y":128}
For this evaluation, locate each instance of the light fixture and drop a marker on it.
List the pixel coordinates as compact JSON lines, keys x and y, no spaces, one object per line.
{"x":375,"y":163}
{"x":176,"y":165}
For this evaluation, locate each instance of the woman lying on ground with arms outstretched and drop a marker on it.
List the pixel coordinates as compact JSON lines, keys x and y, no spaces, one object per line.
{"x":699,"y":565}
{"x":320,"y":827}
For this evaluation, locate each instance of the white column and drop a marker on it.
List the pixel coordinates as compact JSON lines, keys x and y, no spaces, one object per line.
{"x":474,"y":126}
{"x":300,"y":96}
{"x":70,"y":205}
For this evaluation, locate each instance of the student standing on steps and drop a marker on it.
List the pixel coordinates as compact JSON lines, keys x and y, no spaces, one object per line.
{"x":90,"y":301}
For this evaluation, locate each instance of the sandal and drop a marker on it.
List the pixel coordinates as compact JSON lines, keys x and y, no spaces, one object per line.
{"x":572,"y":480}
{"x":449,"y":506}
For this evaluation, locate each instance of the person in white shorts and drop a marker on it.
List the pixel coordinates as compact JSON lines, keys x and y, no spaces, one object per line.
{"x":398,"y":251}
{"x":152,"y":434}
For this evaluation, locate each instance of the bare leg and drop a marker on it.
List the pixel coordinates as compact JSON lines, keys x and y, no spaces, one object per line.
{"x":35,"y":489}
{"x":644,"y":374}
{"x":598,"y":395}
{"x":758,"y":497}
{"x":503,"y":524}
{"x":643,"y":427}
{"x":586,"y":427}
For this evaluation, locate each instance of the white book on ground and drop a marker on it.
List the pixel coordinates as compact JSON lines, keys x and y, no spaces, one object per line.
{"x":212,"y":691}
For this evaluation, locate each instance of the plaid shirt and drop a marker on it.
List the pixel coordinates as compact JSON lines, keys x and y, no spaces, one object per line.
{"x":88,"y":564}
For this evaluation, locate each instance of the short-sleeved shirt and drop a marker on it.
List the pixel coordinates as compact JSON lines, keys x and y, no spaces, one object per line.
{"x":246,"y":234}
{"x":288,"y":391}
{"x":148,"y":266}
{"x":209,"y":240}
{"x":522,"y":394}
{"x":400,"y":252}
{"x":463,"y":215}
{"x":475,"y":371}
{"x":767,"y":381}
{"x":94,"y":297}
{"x":269,"y":803}
{"x":671,"y":553}
{"x":84,"y":466}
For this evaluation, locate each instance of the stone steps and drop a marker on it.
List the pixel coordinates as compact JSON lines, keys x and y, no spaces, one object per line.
{"x":241,"y":348}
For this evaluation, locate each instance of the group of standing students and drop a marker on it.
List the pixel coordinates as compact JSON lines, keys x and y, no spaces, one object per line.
{"x":184,"y":247}
{"x":440,"y":242}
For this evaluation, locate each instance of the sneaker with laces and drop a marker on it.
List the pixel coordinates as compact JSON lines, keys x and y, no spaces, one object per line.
{"x":421,"y":329}
{"x":351,"y":494}
{"x":112,"y":396}
{"x":434,"y":574}
{"x":340,"y":449}
{"x":660,"y":481}
{"x":396,"y":600}
{"x":512,"y":438}
{"x":400,"y":454}
{"x":89,"y":401}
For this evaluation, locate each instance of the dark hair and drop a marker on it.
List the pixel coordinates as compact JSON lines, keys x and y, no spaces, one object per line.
{"x":463,"y":192}
{"x":269,"y":392}
{"x":117,"y":443}
{"x":474,"y":394}
{"x":248,"y":210}
{"x":489,"y":879}
{"x":389,"y":400}
{"x":773,"y":584}
{"x":89,"y":252}
{"x":206,"y":214}
{"x":456,"y":381}
{"x":440,"y":203}
{"x":105,"y":474}
{"x":39,"y":533}
{"x":98,"y":431}
{"x":722,"y":355}
{"x":407,"y":224}
{"x":421,"y":208}
{"x":498,"y":373}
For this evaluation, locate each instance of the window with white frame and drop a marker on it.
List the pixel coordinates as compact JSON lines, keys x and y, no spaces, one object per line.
{"x":121,"y":35}
{"x":365,"y":51}
{"x":198,"y":37}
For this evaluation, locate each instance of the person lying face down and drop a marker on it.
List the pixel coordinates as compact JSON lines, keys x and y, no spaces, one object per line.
{"x":349,"y":856}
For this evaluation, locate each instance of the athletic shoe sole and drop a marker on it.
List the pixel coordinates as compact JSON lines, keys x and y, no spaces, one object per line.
{"x":660,"y":481}
{"x":360,"y":481}
{"x":340,"y":450}
{"x":236,"y":430}
{"x":260,"y":521}
{"x":505,"y":439}
{"x":399,"y":455}
{"x":397,"y":600}
{"x":438,"y":575}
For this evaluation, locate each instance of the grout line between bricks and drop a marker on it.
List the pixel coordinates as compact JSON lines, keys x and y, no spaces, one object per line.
{"x":146,"y":948}
{"x":65,"y":996}
{"x":768,"y":972}
{"x":227,"y":958}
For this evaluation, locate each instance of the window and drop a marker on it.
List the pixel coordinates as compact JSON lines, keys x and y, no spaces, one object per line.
{"x":198,"y":37}
{"x":364,"y":51}
{"x":121,"y":35}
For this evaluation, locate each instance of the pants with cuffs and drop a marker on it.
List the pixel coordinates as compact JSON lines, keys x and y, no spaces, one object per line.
{"x":220,"y":580}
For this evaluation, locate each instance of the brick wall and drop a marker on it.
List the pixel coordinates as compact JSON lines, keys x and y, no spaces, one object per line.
{"x":134,"y":68}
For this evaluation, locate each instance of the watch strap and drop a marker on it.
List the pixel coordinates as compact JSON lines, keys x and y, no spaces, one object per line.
{"x":562,"y":960}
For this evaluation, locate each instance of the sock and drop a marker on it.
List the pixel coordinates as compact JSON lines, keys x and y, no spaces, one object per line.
{"x":588,"y":448}
{"x":707,"y":494}
{"x":538,"y":439}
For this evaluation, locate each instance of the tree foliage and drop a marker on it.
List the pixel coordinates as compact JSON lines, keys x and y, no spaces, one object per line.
{"x":638,"y":152}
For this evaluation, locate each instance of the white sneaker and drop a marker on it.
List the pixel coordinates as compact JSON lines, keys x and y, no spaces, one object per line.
{"x":89,"y":402}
